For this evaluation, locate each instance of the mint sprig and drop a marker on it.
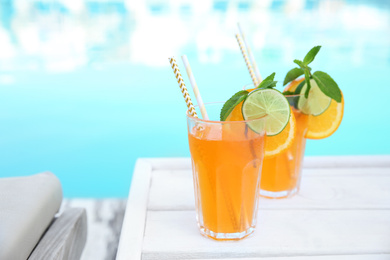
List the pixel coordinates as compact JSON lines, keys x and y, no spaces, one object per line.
{"x":311,"y":55}
{"x":307,"y":79}
{"x":268,"y":82}
{"x":299,"y":63}
{"x":232,"y":103}
{"x":240,"y":96}
{"x":292,"y":75}
{"x":326,"y":84}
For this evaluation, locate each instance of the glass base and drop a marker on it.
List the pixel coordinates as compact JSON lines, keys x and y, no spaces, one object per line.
{"x":226,"y":236}
{"x":278,"y":194}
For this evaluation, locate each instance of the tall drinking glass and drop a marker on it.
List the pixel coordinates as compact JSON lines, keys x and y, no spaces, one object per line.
{"x":227,"y":160}
{"x":281,"y":173}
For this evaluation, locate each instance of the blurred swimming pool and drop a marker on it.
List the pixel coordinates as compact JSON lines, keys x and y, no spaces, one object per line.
{"x":86,"y":87}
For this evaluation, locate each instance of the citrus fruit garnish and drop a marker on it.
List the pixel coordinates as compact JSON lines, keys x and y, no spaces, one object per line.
{"x":231,"y":104}
{"x":279,"y":143}
{"x":293,"y":85}
{"x":267,"y":102}
{"x":236,"y":114}
{"x":327,"y":123}
{"x":316,"y":103}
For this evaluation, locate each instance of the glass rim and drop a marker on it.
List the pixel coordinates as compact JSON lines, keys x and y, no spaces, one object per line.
{"x":294,"y":95}
{"x":219,"y":122}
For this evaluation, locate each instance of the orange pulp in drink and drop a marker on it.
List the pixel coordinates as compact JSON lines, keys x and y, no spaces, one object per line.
{"x":226,"y":161}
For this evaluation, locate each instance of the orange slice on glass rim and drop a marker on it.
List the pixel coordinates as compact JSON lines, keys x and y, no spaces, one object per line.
{"x":275,"y":144}
{"x":325,"y":124}
{"x":279,"y":143}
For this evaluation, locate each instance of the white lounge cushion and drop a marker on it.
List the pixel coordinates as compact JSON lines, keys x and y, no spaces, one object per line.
{"x":27,"y":207}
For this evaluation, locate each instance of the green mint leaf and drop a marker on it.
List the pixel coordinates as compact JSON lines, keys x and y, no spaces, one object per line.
{"x":267,"y":84}
{"x":273,"y":84}
{"x":327,"y":85}
{"x":307,"y":79}
{"x":311,"y":55}
{"x":292,"y":74}
{"x":270,"y":77}
{"x":299,"y":63}
{"x":232,"y":103}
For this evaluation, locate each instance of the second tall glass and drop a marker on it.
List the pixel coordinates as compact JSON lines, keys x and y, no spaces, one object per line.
{"x":281,"y":173}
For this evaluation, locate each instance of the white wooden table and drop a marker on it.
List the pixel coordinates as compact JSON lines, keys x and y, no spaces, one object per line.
{"x":341,"y":212}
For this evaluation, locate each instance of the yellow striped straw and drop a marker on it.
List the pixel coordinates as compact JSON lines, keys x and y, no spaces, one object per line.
{"x":250,"y":54}
{"x":183,"y":88}
{"x":195,"y":87}
{"x":248,"y":63}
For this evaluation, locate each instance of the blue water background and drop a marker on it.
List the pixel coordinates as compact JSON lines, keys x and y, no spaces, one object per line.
{"x":86,"y":87}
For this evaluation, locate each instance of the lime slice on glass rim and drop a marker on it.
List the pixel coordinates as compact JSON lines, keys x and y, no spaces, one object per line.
{"x":316,"y":103}
{"x":266,"y":102}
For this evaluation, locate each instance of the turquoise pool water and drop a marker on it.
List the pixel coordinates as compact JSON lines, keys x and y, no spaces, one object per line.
{"x":86,"y":87}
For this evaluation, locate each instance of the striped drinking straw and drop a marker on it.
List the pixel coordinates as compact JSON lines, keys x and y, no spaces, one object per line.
{"x":247,"y":62}
{"x":182,"y":86}
{"x":192,"y":112}
{"x":250,"y":54}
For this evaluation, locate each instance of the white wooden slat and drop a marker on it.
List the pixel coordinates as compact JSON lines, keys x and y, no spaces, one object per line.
{"x":131,"y":239}
{"x":344,"y":171}
{"x":179,"y":163}
{"x":355,"y":161}
{"x":175,"y":235}
{"x":348,"y":188}
{"x":172,"y":190}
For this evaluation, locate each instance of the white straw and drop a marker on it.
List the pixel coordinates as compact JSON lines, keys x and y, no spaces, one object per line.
{"x":195,"y":87}
{"x":250,"y":54}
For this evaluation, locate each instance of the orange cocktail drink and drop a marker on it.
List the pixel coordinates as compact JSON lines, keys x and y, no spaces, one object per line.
{"x":281,"y":173}
{"x":316,"y":110}
{"x":226,"y":161}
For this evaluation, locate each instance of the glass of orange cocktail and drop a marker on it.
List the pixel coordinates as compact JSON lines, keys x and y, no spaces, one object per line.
{"x":281,"y":172}
{"x":227,"y":160}
{"x":315,"y":103}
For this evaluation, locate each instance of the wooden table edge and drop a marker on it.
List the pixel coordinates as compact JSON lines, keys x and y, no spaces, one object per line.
{"x":133,"y":228}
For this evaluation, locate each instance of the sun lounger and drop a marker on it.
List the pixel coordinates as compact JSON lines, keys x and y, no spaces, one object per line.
{"x":30,"y":227}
